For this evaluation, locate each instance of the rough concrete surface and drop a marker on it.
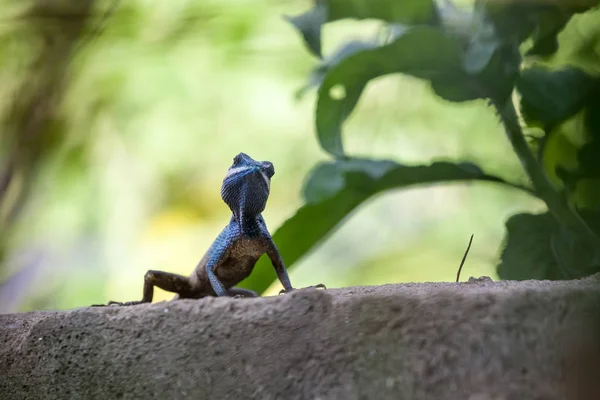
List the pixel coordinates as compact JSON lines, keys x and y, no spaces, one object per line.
{"x":470,"y":341}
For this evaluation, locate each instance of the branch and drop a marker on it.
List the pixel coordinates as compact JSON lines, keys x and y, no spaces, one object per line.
{"x":556,"y":202}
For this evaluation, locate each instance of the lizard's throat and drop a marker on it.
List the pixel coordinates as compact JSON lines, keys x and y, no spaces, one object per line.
{"x":246,"y":222}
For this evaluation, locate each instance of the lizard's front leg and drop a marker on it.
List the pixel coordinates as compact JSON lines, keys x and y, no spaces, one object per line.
{"x":165,"y":280}
{"x":217,"y":254}
{"x":281,"y":271}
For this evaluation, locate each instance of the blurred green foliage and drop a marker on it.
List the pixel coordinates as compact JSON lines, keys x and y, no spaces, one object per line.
{"x":143,"y":111}
{"x":478,"y":53}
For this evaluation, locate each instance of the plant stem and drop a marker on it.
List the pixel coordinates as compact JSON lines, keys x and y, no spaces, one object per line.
{"x":556,"y":202}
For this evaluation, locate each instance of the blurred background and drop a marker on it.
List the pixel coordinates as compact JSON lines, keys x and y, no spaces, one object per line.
{"x":113,"y":149}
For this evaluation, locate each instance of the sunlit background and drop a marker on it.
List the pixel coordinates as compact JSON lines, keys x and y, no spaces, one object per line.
{"x":154,"y":109}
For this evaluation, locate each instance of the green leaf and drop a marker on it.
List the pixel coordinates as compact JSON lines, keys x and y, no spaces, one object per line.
{"x":480,"y":51}
{"x":589,"y":154}
{"x":537,"y":247}
{"x":309,"y":25}
{"x":582,"y":178}
{"x":406,"y":11}
{"x":494,"y":60}
{"x":485,"y":67}
{"x":542,"y":22}
{"x":318,"y":73}
{"x":550,"y":97}
{"x":335,"y":189}
{"x":499,"y":76}
{"x":528,"y":252}
{"x":591,"y":218}
{"x":488,"y":69}
{"x":574,"y":258}
{"x":457,"y":21}
{"x":550,"y":23}
{"x":511,"y":19}
{"x":422,"y":52}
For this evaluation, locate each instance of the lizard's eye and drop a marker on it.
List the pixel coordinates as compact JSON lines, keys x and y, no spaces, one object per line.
{"x":237,"y":159}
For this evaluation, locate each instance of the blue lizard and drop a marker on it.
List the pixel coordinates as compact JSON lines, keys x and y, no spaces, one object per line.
{"x":232,"y":256}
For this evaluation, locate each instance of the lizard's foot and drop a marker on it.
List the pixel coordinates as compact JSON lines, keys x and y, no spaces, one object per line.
{"x":481,"y":279}
{"x":240,"y":293}
{"x":320,"y":285}
{"x":118,"y":303}
{"x":282,"y":291}
{"x":127,"y":303}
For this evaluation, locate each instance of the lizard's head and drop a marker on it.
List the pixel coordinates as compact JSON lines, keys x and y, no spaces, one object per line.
{"x":246,"y":186}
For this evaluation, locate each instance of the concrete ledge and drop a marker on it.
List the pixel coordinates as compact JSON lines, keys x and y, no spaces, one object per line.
{"x":478,"y":340}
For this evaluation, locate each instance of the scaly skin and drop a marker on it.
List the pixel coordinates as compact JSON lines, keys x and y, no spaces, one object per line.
{"x":232,"y":256}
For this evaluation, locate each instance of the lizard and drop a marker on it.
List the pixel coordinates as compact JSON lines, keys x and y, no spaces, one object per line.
{"x":235,"y":251}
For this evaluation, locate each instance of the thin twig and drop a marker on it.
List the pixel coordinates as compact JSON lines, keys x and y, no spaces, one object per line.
{"x":464,"y":258}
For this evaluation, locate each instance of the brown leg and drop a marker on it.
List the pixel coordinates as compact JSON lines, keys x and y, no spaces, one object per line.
{"x":166,"y":281}
{"x":239,"y":292}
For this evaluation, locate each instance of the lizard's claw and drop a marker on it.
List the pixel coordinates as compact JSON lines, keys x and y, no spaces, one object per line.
{"x":282,"y":291}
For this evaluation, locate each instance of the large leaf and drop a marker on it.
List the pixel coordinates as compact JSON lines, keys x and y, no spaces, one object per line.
{"x":540,"y":21}
{"x":550,"y":23}
{"x":537,"y":247}
{"x":589,"y":154}
{"x":406,"y":11}
{"x":493,"y":59}
{"x":521,"y":20}
{"x":335,"y":189}
{"x":550,"y":97}
{"x":309,"y":25}
{"x":583,"y":178}
{"x":528,"y":252}
{"x":318,"y":73}
{"x":424,"y":52}
{"x":494,"y":67}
